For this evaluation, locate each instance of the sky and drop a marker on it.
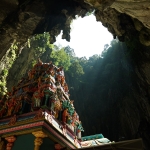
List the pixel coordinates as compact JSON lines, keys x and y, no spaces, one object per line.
{"x":88,"y":37}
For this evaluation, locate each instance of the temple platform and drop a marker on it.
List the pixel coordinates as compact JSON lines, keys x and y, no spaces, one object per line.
{"x":40,"y":124}
{"x":135,"y":144}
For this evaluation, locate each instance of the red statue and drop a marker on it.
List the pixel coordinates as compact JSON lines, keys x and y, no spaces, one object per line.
{"x":18,"y":104}
{"x":10,"y":104}
{"x":58,"y":77}
{"x":62,"y":80}
{"x":37,"y":96}
{"x":74,"y":117}
{"x":65,"y":115}
{"x":66,"y":90}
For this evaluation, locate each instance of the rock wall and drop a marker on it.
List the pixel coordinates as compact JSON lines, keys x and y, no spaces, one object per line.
{"x":137,"y":13}
{"x":20,"y":19}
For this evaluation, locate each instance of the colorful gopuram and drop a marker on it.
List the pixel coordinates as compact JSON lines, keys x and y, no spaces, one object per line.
{"x":39,"y":104}
{"x":38,"y":114}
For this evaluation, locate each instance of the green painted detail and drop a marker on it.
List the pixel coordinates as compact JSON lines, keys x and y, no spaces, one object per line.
{"x":92,"y":137}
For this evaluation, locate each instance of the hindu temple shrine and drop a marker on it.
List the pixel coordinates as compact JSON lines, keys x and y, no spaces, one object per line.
{"x":38,"y":114}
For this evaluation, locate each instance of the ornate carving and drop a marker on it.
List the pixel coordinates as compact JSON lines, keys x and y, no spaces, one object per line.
{"x":64,"y":130}
{"x":76,"y":141}
{"x":40,"y":134}
{"x":39,"y":114}
{"x":37,"y":143}
{"x":49,"y":118}
{"x":39,"y":139}
{"x":43,"y":88}
{"x":10,"y":141}
{"x":12,"y":120}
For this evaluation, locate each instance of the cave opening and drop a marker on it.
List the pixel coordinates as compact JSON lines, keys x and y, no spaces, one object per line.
{"x":87,"y":36}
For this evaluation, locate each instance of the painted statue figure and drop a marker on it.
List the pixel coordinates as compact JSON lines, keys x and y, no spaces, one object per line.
{"x":65,"y":104}
{"x":79,"y":129}
{"x":37,"y":95}
{"x":69,"y":105}
{"x":60,"y":71}
{"x":47,"y":93}
{"x":48,"y":84}
{"x":53,"y":99}
{"x":31,"y":74}
{"x":71,"y":110}
{"x":26,"y":102}
{"x":79,"y":126}
{"x":51,"y":71}
{"x":58,"y":76}
{"x":46,"y":76}
{"x":60,"y":93}
{"x":65,"y":115}
{"x":62,"y":80}
{"x":57,"y":108}
{"x":66,"y":90}
{"x":69,"y":120}
{"x":74,"y":116}
{"x":55,"y":105}
{"x":10,"y":105}
{"x":18,"y":104}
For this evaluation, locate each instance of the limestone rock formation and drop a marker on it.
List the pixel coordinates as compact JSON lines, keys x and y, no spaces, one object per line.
{"x":20,"y":19}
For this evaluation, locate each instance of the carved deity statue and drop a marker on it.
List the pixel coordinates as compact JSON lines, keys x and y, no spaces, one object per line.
{"x":10,"y":104}
{"x":65,"y":115}
{"x":37,"y":96}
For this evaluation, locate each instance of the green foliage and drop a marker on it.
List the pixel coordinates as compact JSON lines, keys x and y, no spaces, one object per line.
{"x":33,"y":63}
{"x":99,"y":83}
{"x":42,"y":47}
{"x":76,"y":69}
{"x":41,"y":43}
{"x":60,"y":58}
{"x":5,"y":72}
{"x":69,"y":51}
{"x":9,"y":59}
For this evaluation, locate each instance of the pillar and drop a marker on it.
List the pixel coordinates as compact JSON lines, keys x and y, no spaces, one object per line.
{"x":39,"y":135}
{"x":10,"y":142}
{"x":2,"y":144}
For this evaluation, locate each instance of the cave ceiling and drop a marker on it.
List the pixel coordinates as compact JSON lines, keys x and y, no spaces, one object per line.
{"x":21,"y":19}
